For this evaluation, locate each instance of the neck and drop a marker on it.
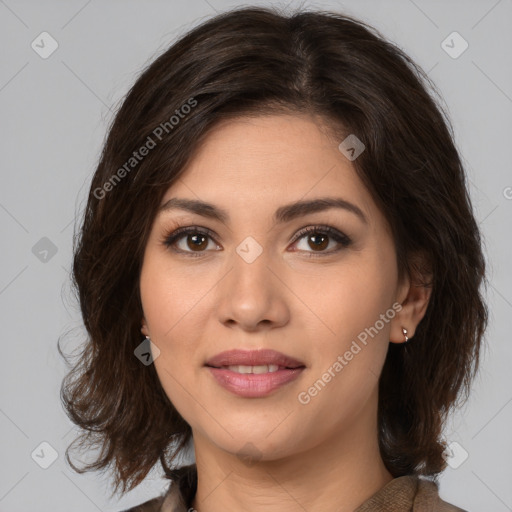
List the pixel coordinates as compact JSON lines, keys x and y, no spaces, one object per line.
{"x":337,"y":475}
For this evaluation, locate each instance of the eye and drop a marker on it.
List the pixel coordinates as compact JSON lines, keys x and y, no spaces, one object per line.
{"x":194,"y":241}
{"x":317,"y":238}
{"x":193,"y":238}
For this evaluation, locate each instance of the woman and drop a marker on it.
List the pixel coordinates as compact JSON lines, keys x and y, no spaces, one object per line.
{"x":281,"y":211}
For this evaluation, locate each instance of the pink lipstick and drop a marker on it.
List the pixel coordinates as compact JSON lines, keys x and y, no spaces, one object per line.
{"x":253,"y":373}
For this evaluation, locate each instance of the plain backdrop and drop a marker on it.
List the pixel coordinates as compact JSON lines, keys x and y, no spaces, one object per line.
{"x":54,"y":112}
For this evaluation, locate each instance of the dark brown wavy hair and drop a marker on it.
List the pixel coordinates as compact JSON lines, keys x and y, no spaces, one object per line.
{"x":253,"y":61}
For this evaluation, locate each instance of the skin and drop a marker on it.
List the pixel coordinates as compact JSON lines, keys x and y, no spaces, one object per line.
{"x":275,"y":453}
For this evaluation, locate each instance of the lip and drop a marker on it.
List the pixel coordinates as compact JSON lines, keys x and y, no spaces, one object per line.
{"x":253,"y":385}
{"x":253,"y":358}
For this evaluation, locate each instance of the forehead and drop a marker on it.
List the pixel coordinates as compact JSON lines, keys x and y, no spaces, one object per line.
{"x":256,"y":164}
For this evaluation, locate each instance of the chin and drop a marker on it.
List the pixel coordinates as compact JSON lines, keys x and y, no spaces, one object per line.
{"x":252,"y":443}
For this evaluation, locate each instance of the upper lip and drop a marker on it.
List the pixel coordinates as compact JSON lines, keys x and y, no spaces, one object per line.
{"x":253,"y":358}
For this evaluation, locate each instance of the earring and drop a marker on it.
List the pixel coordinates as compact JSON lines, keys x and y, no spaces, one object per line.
{"x":404,"y":330}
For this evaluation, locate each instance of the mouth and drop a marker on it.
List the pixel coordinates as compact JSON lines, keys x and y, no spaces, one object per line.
{"x":259,"y":369}
{"x":254,"y":361}
{"x":253,"y":374}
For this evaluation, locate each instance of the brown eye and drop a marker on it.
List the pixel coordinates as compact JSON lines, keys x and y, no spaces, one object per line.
{"x":198,"y":242}
{"x":318,"y":239}
{"x":191,"y":241}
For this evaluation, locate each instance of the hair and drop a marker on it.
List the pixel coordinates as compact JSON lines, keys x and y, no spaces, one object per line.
{"x":257,"y":61}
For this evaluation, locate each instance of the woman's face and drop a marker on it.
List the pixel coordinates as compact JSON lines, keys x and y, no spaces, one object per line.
{"x":251,"y":280}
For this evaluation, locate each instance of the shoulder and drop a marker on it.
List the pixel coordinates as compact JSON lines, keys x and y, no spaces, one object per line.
{"x":443,"y":506}
{"x":428,"y":493}
{"x":408,"y":494}
{"x":447,"y":507}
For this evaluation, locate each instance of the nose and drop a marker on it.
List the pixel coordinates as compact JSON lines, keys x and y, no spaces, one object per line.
{"x":253,"y":296}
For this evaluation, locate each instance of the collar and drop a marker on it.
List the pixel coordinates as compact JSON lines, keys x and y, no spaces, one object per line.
{"x":403,"y":494}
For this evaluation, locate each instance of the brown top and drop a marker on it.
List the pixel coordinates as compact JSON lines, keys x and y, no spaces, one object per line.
{"x":403,"y":494}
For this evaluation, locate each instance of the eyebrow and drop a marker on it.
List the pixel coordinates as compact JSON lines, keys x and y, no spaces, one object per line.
{"x":283,"y":214}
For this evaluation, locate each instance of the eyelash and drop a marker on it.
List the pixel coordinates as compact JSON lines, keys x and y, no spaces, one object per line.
{"x":170,"y":239}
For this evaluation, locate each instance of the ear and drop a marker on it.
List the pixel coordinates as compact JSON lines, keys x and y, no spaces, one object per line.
{"x":144,"y":329}
{"x":413,"y":295}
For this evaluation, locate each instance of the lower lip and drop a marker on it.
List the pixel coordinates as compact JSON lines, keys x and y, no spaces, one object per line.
{"x":254,"y":385}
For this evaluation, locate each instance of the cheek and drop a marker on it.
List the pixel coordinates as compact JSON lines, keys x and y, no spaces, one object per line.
{"x":350,"y":355}
{"x":354,"y":306}
{"x":351,"y":296}
{"x":168,"y":299}
{"x":168,"y":294}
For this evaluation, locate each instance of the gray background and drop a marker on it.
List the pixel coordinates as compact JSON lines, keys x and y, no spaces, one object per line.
{"x":54,"y":114}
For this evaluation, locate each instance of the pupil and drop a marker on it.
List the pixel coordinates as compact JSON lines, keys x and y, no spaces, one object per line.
{"x":195,"y":239}
{"x":321,"y":245}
